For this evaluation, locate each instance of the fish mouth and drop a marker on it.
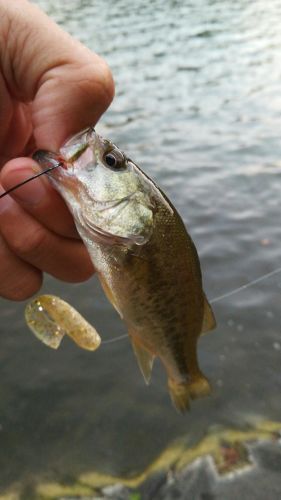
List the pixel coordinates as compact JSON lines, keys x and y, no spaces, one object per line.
{"x":77,"y":144}
{"x":68,"y":153}
{"x":48,"y":160}
{"x":58,"y":171}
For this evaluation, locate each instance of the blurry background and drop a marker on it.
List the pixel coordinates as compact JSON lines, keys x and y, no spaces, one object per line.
{"x":198,"y":107}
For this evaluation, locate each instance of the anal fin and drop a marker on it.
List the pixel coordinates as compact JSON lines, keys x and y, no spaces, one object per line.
{"x":179,"y":394}
{"x":209,"y":320}
{"x":145,"y":359}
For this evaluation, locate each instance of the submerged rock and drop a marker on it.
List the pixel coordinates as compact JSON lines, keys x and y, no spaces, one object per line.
{"x":225,"y":464}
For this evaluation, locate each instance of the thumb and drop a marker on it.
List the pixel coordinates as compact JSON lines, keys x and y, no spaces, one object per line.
{"x":69,"y":86}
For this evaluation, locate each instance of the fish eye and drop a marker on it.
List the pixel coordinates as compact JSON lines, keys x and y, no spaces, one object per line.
{"x":110,"y":160}
{"x":115,"y":160}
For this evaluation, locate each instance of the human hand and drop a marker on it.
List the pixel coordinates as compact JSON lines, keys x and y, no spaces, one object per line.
{"x":51,"y":87}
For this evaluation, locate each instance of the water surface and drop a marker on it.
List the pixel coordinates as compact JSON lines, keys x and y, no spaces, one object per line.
{"x":198,"y":108}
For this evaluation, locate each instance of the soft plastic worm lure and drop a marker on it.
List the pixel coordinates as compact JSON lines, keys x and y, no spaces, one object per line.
{"x":50,"y":318}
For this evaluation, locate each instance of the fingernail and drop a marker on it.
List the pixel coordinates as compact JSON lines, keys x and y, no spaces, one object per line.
{"x":31,"y":193}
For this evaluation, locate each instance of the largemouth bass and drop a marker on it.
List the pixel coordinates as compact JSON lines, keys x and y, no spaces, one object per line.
{"x":145,"y":259}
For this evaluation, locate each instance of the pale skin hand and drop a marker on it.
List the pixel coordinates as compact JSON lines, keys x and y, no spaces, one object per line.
{"x":50,"y":88}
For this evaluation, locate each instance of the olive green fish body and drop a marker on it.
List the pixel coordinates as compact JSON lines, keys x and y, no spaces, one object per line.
{"x":146,"y":261}
{"x":159,"y":293}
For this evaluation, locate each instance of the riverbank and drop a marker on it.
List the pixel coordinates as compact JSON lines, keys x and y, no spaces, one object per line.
{"x":227,"y":463}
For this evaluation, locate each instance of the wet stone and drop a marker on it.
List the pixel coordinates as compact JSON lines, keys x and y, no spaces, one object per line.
{"x":191,"y":483}
{"x":201,"y":480}
{"x":152,"y":486}
{"x":268,"y":456}
{"x":117,"y":492}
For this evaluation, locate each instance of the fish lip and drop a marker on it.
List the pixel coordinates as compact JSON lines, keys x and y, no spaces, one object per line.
{"x":61,"y":173}
{"x":70,"y":151}
{"x":48,"y":160}
{"x":83,"y":139}
{"x":91,"y":134}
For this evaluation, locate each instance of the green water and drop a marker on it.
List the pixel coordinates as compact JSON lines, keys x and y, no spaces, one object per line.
{"x":198,"y":108}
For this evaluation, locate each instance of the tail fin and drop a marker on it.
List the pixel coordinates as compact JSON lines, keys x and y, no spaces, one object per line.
{"x":179,"y":394}
{"x":199,"y":387}
{"x":182,"y":393}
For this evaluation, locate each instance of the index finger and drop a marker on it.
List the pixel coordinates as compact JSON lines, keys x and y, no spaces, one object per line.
{"x":38,"y":197}
{"x":68,"y":85}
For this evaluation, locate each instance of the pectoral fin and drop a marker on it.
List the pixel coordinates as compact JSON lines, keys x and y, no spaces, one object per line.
{"x":145,"y":359}
{"x":109,"y":294}
{"x":209,"y":321}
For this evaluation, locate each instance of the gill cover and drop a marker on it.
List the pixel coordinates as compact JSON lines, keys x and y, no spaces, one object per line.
{"x":114,"y":198}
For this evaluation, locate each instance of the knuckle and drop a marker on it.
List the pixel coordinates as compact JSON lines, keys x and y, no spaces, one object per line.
{"x":101,"y":76}
{"x":29,"y":245}
{"x":107,"y":79}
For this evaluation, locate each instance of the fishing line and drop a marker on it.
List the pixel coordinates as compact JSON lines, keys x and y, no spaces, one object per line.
{"x":216,"y":299}
{"x":30,"y":179}
{"x":247,"y":285}
{"x":110,"y":341}
{"x":212,"y":301}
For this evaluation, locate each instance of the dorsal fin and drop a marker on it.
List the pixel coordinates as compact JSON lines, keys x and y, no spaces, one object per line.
{"x":209,"y":320}
{"x":145,"y":359}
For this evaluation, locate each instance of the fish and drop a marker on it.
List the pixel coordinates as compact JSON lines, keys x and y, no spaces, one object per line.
{"x":50,"y":318}
{"x":144,"y":257}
